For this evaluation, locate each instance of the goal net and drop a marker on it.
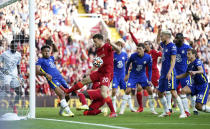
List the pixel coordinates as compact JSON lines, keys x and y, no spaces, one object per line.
{"x":14,"y":59}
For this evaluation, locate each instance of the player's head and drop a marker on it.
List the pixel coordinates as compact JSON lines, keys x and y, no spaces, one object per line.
{"x":165,"y":35}
{"x":98,"y":40}
{"x":148,"y":46}
{"x":120,"y":43}
{"x":45,"y":51}
{"x":191,"y":54}
{"x":179,"y":39}
{"x":140,"y":49}
{"x":13,"y":46}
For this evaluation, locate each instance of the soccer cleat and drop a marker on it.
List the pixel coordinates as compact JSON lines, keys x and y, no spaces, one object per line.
{"x":133,"y":110}
{"x":105,"y":111}
{"x":113,"y":114}
{"x":154,"y":112}
{"x":187,"y":113}
{"x":171,"y":111}
{"x":195,"y":113}
{"x":165,"y":114}
{"x":183,"y":116}
{"x":85,"y":113}
{"x":83,"y":107}
{"x":15,"y":110}
{"x":141,"y":109}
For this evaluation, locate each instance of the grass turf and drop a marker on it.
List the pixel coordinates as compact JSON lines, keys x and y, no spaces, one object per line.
{"x":143,"y":120}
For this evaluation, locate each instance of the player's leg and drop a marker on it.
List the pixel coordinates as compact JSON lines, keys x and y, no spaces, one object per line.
{"x":185,"y":82}
{"x":125,"y":100}
{"x":168,"y":99}
{"x":151,"y":99}
{"x":83,"y":101}
{"x":94,"y":107}
{"x":161,"y":89}
{"x":139,"y":98}
{"x":115,"y":84}
{"x":81,"y":84}
{"x":202,"y":97}
{"x":123,"y":86}
{"x":193,"y":101}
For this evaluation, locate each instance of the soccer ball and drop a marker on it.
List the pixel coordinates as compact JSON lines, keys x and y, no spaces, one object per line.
{"x":97,"y":62}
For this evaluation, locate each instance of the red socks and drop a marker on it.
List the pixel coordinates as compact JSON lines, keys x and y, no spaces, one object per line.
{"x":139,"y":99}
{"x":77,"y":86}
{"x":82,"y":98}
{"x":108,"y":100}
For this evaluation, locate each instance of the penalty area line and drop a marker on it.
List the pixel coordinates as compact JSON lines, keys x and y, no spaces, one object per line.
{"x":83,"y":123}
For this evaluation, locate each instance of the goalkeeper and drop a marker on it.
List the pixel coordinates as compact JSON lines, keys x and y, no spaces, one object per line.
{"x":10,"y":75}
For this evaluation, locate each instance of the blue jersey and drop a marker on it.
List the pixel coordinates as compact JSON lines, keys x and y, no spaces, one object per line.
{"x":168,"y":51}
{"x":119,"y":63}
{"x":181,"y":59}
{"x":48,"y":66}
{"x":138,"y":66}
{"x":197,"y":79}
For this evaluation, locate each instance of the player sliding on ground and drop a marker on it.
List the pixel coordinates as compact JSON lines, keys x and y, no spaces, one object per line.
{"x":45,"y":66}
{"x":105,"y":72}
{"x":200,"y":86}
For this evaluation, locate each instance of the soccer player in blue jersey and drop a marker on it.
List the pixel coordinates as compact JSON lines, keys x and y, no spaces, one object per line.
{"x":139,"y":61}
{"x":45,"y":66}
{"x":200,"y":86}
{"x":181,"y":67}
{"x":120,"y":59}
{"x":167,"y":81}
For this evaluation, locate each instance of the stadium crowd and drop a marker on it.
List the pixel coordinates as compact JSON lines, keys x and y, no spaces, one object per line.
{"x":139,"y":18}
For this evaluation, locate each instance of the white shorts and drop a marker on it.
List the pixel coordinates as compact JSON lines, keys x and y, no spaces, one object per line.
{"x":12,"y":81}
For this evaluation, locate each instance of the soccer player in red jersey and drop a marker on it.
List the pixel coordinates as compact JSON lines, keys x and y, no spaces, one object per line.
{"x":154,"y":54}
{"x":104,"y":74}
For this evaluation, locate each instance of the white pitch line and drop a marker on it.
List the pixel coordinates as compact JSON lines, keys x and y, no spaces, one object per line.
{"x":192,"y":124}
{"x":84,"y":123}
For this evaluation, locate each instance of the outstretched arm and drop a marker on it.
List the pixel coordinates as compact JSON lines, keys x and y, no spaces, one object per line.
{"x":115,"y":47}
{"x":159,"y":34}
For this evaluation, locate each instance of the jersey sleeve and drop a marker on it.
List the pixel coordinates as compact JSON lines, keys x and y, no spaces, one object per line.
{"x":198,"y":63}
{"x":39,"y":62}
{"x":19,"y":60}
{"x":173,"y":50}
{"x":128,"y":64}
{"x":52,"y":57}
{"x":149,"y":68}
{"x":108,"y":48}
{"x":161,"y":44}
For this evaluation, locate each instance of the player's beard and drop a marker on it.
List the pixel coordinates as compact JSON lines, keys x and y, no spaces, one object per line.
{"x":164,"y":41}
{"x":13,"y":51}
{"x":179,"y":43}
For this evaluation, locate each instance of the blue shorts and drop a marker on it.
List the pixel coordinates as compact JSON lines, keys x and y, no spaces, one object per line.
{"x":57,"y":83}
{"x":165,"y":85}
{"x":184,"y":82}
{"x":118,"y":81}
{"x":133,"y":81}
{"x":201,"y":92}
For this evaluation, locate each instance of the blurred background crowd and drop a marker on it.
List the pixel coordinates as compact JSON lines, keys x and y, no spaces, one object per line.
{"x":134,"y":19}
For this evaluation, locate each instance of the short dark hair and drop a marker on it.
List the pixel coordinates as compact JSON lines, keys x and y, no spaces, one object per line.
{"x":14,"y":41}
{"x":45,"y":46}
{"x":194,"y":52}
{"x":98,"y":36}
{"x":141,"y":45}
{"x":179,"y":35}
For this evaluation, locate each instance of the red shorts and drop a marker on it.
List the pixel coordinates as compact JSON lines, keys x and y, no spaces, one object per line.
{"x":155,"y":79}
{"x":104,"y":79}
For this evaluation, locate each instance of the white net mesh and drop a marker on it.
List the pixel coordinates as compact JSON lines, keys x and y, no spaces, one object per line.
{"x":14,"y":51}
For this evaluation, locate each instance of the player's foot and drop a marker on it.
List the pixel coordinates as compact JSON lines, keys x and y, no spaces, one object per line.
{"x":183,"y":116}
{"x":195,"y":113}
{"x":61,"y":111}
{"x":187,"y":113}
{"x":105,"y":111}
{"x":83,"y":107}
{"x":15,"y":110}
{"x":133,"y":110}
{"x":113,"y":114}
{"x":171,"y":111}
{"x":154,"y":112}
{"x":165,"y":114}
{"x":141,"y":109}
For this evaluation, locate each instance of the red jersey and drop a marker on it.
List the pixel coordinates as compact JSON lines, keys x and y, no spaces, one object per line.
{"x":155,"y":54}
{"x":106,"y":54}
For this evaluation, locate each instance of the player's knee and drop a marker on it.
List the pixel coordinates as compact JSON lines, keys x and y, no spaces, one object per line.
{"x":198,"y":106}
{"x":160,"y":95}
{"x":128,"y":91}
{"x":114,"y":92}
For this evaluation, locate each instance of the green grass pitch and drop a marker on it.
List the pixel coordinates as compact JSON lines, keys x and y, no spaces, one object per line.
{"x":132,"y":120}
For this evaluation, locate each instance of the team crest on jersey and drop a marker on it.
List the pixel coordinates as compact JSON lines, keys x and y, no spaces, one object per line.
{"x":166,"y":50}
{"x":57,"y":83}
{"x":123,"y":58}
{"x":113,"y":84}
{"x":145,"y":62}
{"x":129,"y":84}
{"x":199,"y":62}
{"x":182,"y":51}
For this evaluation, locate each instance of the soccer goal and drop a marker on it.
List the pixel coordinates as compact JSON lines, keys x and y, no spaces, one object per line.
{"x":17,"y":58}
